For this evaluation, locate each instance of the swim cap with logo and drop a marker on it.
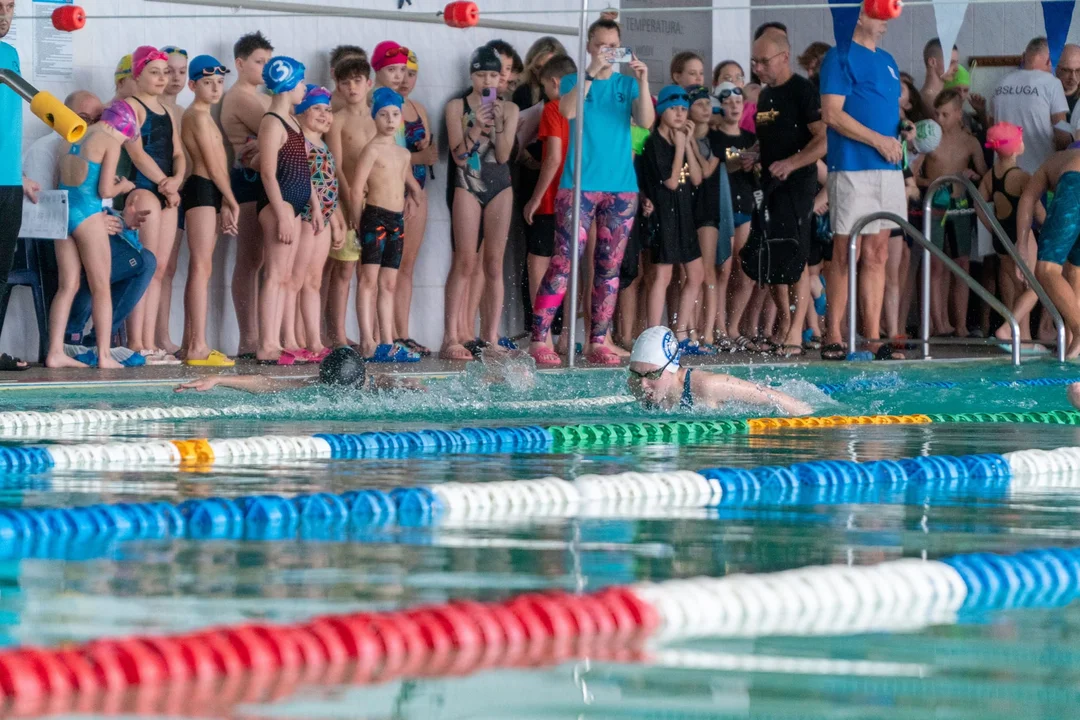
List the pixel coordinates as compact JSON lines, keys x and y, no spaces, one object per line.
{"x":657,"y":346}
{"x":343,"y":368}
{"x":927,"y":136}
{"x":485,"y":59}
{"x":282,"y":74}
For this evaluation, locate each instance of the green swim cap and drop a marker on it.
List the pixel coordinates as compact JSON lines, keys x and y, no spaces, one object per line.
{"x":638,"y":136}
{"x":962,"y":78}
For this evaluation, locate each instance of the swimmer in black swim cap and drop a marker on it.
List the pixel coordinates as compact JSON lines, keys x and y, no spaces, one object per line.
{"x":343,"y":368}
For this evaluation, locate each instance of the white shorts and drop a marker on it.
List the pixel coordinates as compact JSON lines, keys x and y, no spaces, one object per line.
{"x":856,"y":194}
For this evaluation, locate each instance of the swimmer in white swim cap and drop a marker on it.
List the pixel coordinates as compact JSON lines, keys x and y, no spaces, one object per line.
{"x":657,"y":380}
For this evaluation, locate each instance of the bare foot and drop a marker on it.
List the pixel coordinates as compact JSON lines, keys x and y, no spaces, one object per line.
{"x":106,"y":362}
{"x":60,"y":360}
{"x":455,"y":351}
{"x":169,"y":347}
{"x":613,"y":347}
{"x":197,"y":353}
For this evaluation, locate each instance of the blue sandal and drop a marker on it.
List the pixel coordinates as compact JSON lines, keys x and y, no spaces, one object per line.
{"x":393,"y":353}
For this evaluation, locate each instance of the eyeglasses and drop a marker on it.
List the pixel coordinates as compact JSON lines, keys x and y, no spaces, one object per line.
{"x":766,"y":61}
{"x":173,"y":50}
{"x":652,"y":374}
{"x":728,"y":92}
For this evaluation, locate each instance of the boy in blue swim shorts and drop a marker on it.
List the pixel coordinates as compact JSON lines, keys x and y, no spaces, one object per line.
{"x":1059,"y":240}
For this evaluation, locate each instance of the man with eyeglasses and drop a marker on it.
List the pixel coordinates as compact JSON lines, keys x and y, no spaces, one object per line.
{"x":1068,"y":72}
{"x":792,"y":140}
{"x":860,"y":103}
{"x":132,"y":266}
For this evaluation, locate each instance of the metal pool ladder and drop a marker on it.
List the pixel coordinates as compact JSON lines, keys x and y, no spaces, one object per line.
{"x":928,"y":250}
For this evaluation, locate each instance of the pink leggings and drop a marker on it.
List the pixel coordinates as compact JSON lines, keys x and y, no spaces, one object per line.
{"x":614,"y":214}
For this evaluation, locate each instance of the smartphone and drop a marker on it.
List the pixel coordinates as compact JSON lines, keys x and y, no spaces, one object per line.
{"x":488,"y":96}
{"x":619,"y":55}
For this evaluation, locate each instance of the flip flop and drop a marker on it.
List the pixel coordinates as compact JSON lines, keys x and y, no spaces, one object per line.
{"x":887,"y":351}
{"x":246,"y":357}
{"x":821,"y":301}
{"x":88,"y":358}
{"x":127,"y":357}
{"x":476,"y":346}
{"x":12,"y":364}
{"x":158,"y":357}
{"x":216,"y":358}
{"x":545,"y":357}
{"x":414,"y":346}
{"x":791,"y":351}
{"x":741,"y":344}
{"x":833,"y":352}
{"x":319,"y":356}
{"x":603,"y":356}
{"x":508,"y":343}
{"x":393,"y":353}
{"x":765,"y":346}
{"x":291,"y":357}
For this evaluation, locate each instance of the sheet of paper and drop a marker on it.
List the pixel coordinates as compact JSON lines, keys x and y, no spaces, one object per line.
{"x":47,"y":219}
{"x":53,"y":52}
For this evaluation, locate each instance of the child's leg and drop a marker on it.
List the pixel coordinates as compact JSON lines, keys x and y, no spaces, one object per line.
{"x":245,"y":278}
{"x":415,"y":227}
{"x":310,"y":298}
{"x":740,"y":286}
{"x":367,"y":294}
{"x":93,"y":244}
{"x":939,"y":293}
{"x":688,"y":295}
{"x":628,"y":310}
{"x":537,"y":265}
{"x":497,"y":216}
{"x":892,"y":286}
{"x":959,"y":298}
{"x":781,"y":295}
{"x":166,"y":241}
{"x":149,"y":236}
{"x":202,"y":230}
{"x":706,"y":314}
{"x":657,"y":294}
{"x":466,"y":222}
{"x":803,"y":304}
{"x":277,"y":259}
{"x":720,"y":293}
{"x":68,"y":277}
{"x":387,"y":279}
{"x":1049,"y":274}
{"x":339,"y":278}
{"x":162,"y":339}
{"x":294,"y":281}
{"x":614,"y":220}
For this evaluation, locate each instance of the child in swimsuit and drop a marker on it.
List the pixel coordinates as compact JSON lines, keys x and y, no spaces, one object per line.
{"x":88,"y":174}
{"x":425,"y":153}
{"x":303,"y":334}
{"x":1002,"y":188}
{"x":481,"y":129}
{"x":159,"y":169}
{"x":206,"y":193}
{"x":286,"y":191}
{"x":383,"y":174}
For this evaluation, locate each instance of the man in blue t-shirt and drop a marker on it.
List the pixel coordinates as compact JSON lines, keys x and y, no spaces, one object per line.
{"x":12,"y":183}
{"x":860,"y":104}
{"x":609,"y":189}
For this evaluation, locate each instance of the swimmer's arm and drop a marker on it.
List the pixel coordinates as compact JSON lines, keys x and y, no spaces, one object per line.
{"x":179,"y":156}
{"x":1034,"y":189}
{"x":1061,"y":138}
{"x":213,"y":155}
{"x":708,"y":167}
{"x":412,"y":186}
{"x":977,"y":157}
{"x":271,"y":139}
{"x":335,"y":143}
{"x":359,"y":184}
{"x":692,"y":161}
{"x":249,"y":111}
{"x":549,"y":167}
{"x":257,"y":384}
{"x":720,"y":389}
{"x":461,"y":142}
{"x":429,"y":155}
{"x":109,"y":186}
{"x":671,"y":182}
{"x":504,"y":139}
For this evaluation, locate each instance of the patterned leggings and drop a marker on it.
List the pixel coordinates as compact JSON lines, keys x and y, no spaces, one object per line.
{"x":614,"y":215}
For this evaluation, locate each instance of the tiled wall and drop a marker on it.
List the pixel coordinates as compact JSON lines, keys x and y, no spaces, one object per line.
{"x":988,"y":29}
{"x":443,"y":54}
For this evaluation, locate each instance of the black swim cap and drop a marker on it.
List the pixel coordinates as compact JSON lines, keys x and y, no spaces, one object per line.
{"x":485,"y":59}
{"x":343,"y":367}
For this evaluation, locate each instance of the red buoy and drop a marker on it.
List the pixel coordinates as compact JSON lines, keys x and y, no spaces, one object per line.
{"x":883,"y":9}
{"x":69,"y":18}
{"x":461,"y":14}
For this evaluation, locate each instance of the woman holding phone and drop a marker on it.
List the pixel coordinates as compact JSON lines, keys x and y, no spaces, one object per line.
{"x":480,"y":128}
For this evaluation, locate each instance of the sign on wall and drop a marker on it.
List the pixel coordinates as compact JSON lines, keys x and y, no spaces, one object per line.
{"x":53,"y":54}
{"x":656,"y":37}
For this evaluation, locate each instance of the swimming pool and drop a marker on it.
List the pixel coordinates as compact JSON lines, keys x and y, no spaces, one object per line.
{"x":828,"y":658}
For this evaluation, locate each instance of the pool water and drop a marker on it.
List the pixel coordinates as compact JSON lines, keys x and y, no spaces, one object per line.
{"x":1004,"y":664}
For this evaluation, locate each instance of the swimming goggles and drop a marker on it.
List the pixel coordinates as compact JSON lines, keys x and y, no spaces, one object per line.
{"x":728,"y":92}
{"x":652,"y":374}
{"x":173,"y":50}
{"x":211,"y":71}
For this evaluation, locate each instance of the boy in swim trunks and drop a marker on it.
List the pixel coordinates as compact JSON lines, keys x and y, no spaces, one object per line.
{"x":242,"y":110}
{"x":206,"y":193}
{"x":379,"y":205}
{"x":957,"y":153}
{"x":657,"y":380}
{"x":352,"y":130}
{"x":1059,"y":240}
{"x":337,"y":56}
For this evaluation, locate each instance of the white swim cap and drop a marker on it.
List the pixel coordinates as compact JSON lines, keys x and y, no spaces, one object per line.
{"x":927,"y":136}
{"x":657,"y":346}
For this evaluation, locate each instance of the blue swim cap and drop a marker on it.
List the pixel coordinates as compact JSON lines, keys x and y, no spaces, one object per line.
{"x":315,"y":95}
{"x":672,"y":96}
{"x":282,"y":74}
{"x":384,"y":97}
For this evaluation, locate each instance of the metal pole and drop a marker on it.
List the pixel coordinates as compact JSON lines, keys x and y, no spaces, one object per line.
{"x":852,"y":289}
{"x":924,"y":331}
{"x":575,"y":216}
{"x":386,"y":15}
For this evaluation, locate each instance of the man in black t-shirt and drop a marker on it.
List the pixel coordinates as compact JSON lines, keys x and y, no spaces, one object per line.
{"x":792,"y":140}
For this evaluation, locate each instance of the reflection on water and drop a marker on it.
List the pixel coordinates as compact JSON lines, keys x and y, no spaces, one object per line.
{"x":1002,"y":665}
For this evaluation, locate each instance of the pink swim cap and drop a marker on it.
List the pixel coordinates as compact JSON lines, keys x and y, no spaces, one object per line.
{"x":1005,"y":138}
{"x":389,"y":52}
{"x":143,"y":55}
{"x":120,"y":117}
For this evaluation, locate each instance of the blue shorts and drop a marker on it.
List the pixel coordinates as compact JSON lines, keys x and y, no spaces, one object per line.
{"x":741,"y":219}
{"x":1058,"y":240}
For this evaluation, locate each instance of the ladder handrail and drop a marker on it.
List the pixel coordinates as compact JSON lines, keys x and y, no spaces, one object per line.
{"x":1003,"y":238}
{"x":930,"y":249}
